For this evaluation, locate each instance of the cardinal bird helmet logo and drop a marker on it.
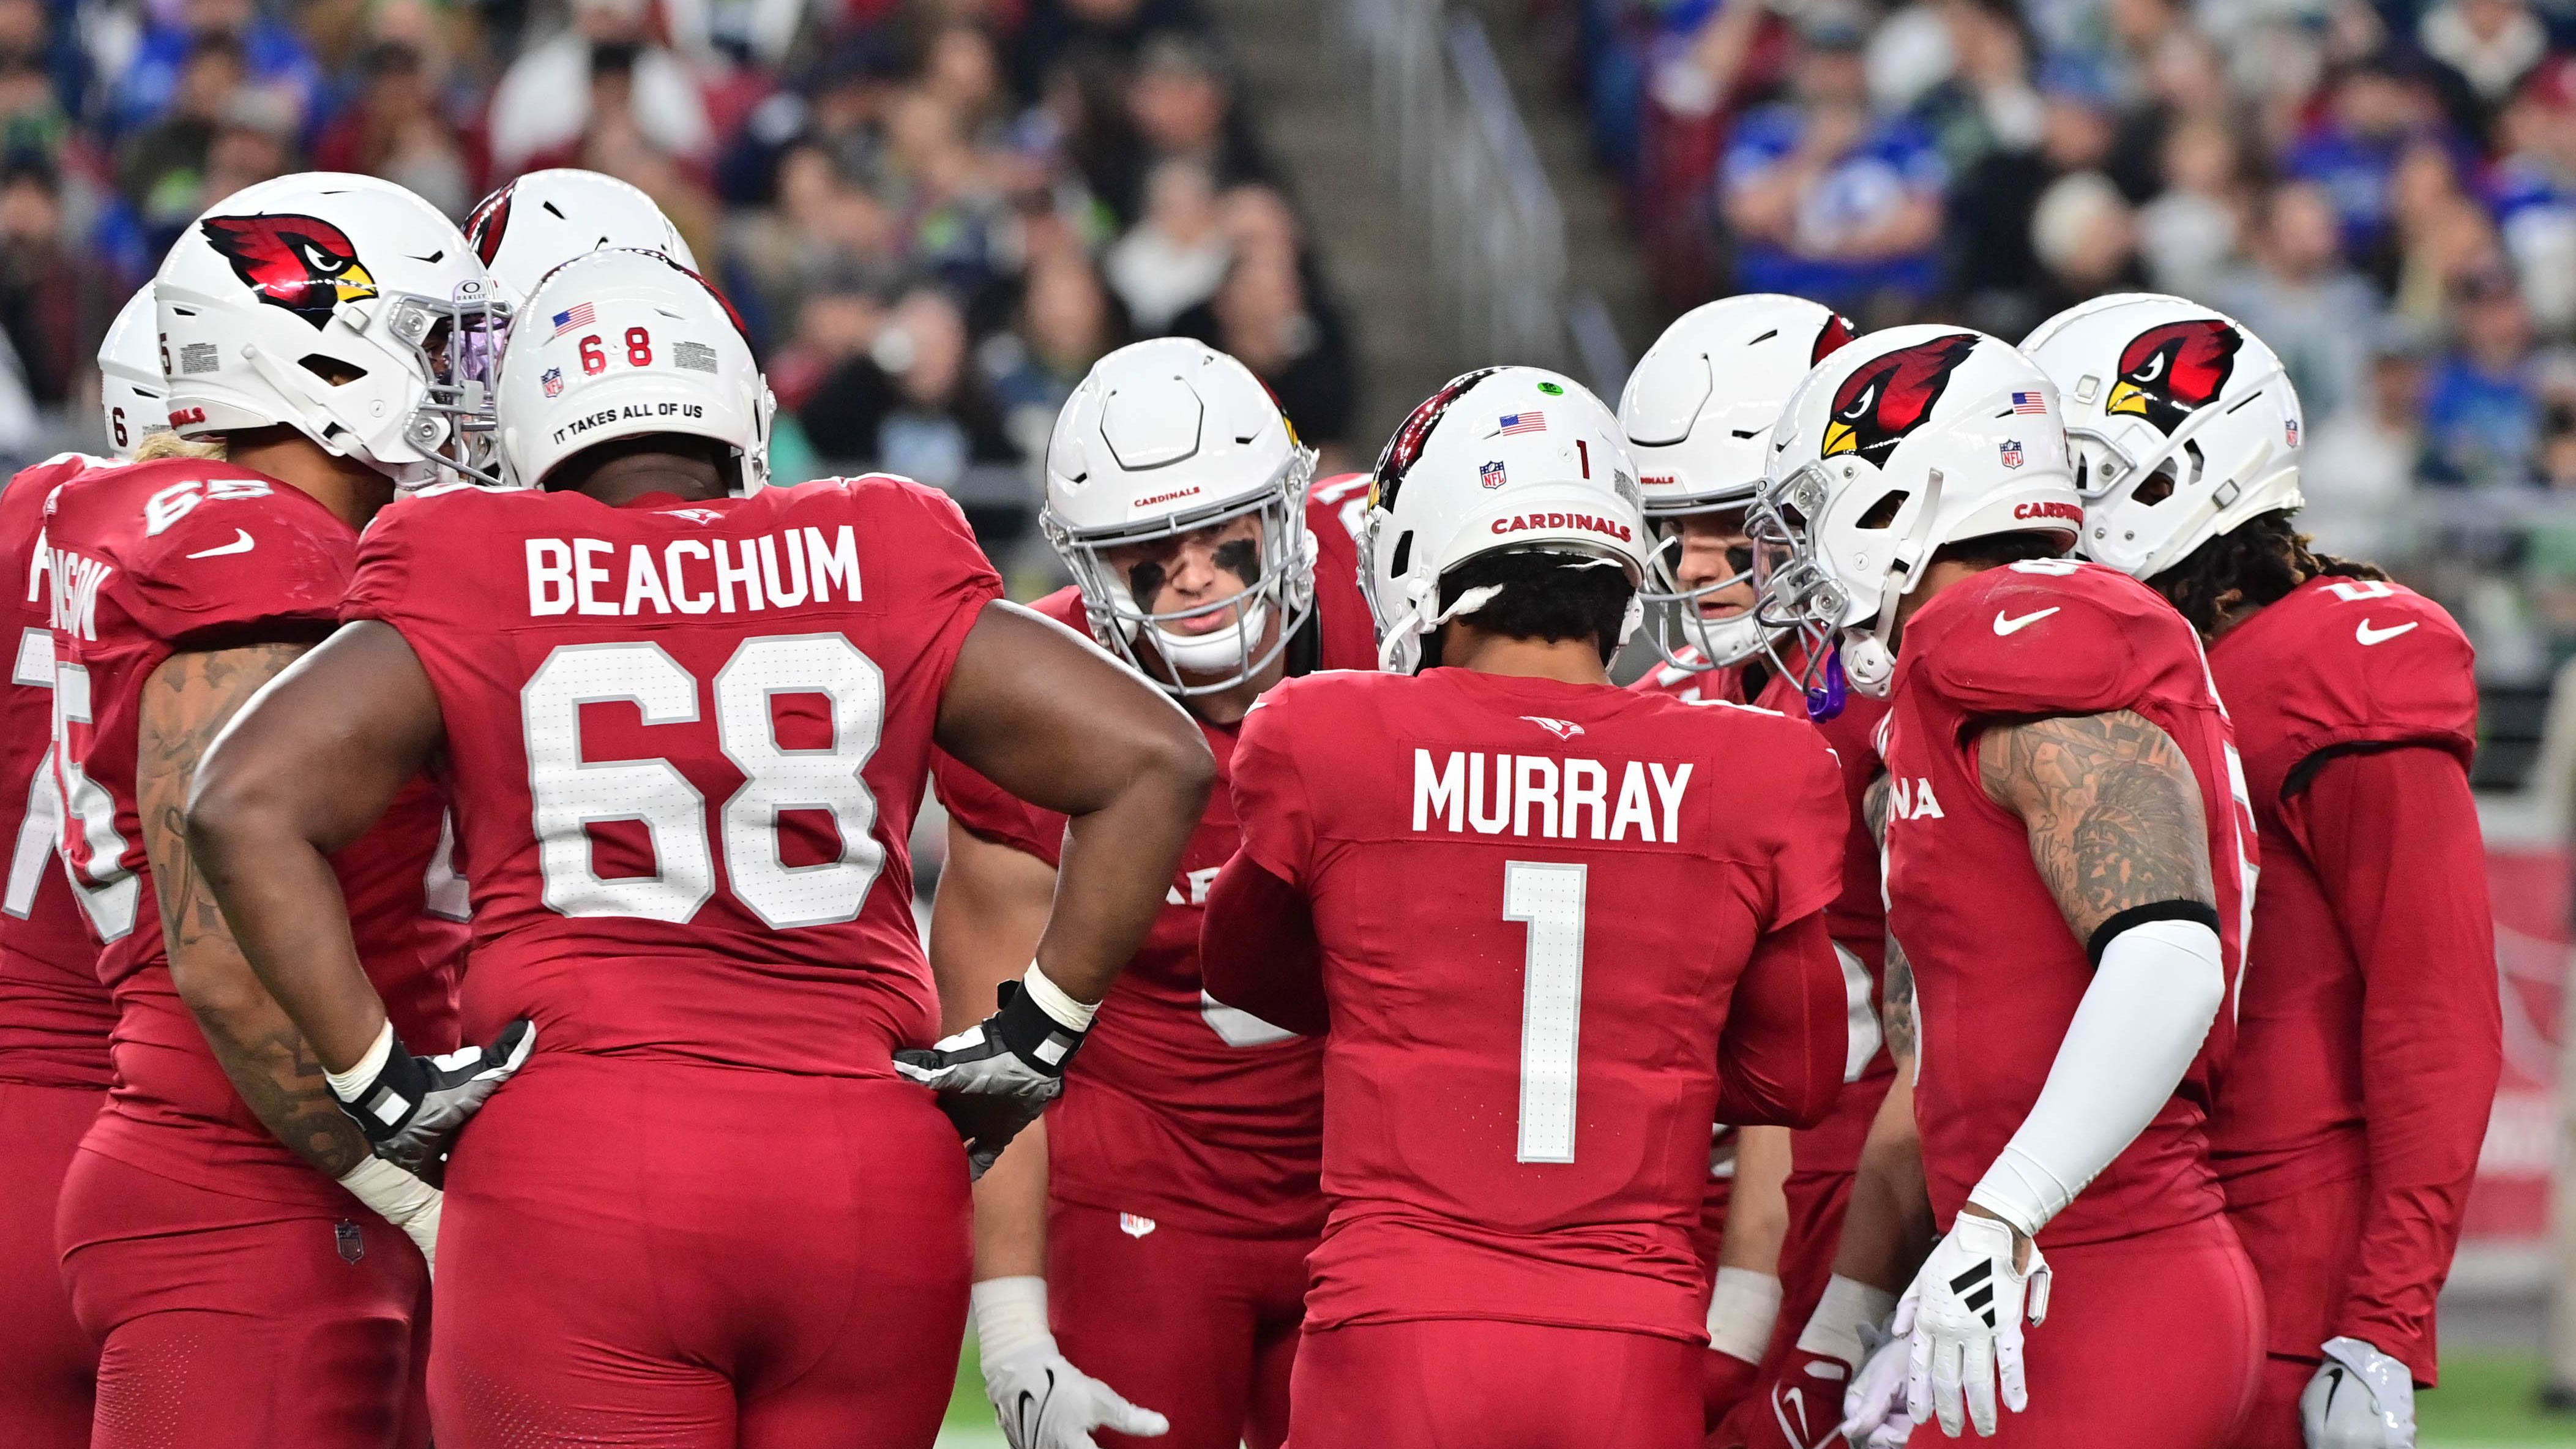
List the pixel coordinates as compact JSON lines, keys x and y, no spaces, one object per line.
{"x":1837,"y":330}
{"x":2169,"y":372}
{"x":483,"y":229}
{"x":1891,"y":396}
{"x":301,"y":263}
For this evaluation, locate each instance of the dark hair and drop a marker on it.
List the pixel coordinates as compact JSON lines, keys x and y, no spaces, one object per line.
{"x":1545,"y":595}
{"x":2257,"y":564}
{"x":1994,"y":550}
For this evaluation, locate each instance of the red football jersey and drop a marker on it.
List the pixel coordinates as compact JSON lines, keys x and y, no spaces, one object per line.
{"x":688,"y":740}
{"x":1183,"y":1110}
{"x":150,"y":559}
{"x":1997,"y":972}
{"x":1858,"y":920}
{"x":1724,"y":684}
{"x":54,"y":1013}
{"x":1524,"y":1054}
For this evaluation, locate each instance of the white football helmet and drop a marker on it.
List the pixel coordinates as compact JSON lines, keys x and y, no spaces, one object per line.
{"x":546,"y":218}
{"x":645,"y":346}
{"x":2184,"y":425}
{"x":1901,"y":442}
{"x":1514,"y":458}
{"x":1698,"y":412}
{"x":1163,"y":438}
{"x":285,"y":284}
{"x":130,"y":385}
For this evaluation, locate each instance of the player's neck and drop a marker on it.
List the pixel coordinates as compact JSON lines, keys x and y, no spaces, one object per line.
{"x":350,"y":489}
{"x":1570,"y":661}
{"x":619,"y":481}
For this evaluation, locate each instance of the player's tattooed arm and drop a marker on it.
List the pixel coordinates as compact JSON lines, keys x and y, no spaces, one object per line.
{"x":1896,"y":993}
{"x":186,"y":704}
{"x":2112,"y":807}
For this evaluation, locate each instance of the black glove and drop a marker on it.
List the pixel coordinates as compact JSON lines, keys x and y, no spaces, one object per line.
{"x":996,"y":1076}
{"x":414,"y":1108}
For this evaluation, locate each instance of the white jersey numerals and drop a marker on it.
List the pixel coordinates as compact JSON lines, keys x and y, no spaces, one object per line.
{"x":110,"y":892}
{"x":1548,"y":898}
{"x":34,"y":849}
{"x":571,"y":793}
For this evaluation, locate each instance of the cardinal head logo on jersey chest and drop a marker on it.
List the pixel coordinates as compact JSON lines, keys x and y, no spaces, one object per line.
{"x":1891,"y":396}
{"x":301,"y":263}
{"x":2168,"y":372}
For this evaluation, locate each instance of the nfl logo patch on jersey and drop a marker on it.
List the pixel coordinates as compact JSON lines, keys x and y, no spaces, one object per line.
{"x":1491,"y":474}
{"x":2011,"y":450}
{"x":1135,"y":1226}
{"x":552,"y":378}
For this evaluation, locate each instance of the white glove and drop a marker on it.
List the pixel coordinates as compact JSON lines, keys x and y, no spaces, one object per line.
{"x":1042,"y":1400}
{"x":1964,"y":1312}
{"x":1874,"y":1415}
{"x":400,"y":1199}
{"x":2360,"y":1399}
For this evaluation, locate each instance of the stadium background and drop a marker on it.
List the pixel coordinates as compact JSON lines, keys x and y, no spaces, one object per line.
{"x":935,"y":214}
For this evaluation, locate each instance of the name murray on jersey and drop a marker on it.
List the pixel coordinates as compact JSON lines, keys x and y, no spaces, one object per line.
{"x":776,"y":570}
{"x":1548,"y":797}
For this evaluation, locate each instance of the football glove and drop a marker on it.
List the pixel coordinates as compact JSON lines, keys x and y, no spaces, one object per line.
{"x":411,"y":1108}
{"x":1042,"y":1400}
{"x":996,"y":1076}
{"x":1964,"y":1314}
{"x":2360,"y":1399}
{"x":1874,"y":1412}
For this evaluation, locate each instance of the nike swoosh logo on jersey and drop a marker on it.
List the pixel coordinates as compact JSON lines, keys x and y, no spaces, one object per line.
{"x":2369,"y":636}
{"x":2007,"y":624}
{"x":243,"y":543}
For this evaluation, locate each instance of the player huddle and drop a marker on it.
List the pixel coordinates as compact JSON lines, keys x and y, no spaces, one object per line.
{"x":460,"y":806}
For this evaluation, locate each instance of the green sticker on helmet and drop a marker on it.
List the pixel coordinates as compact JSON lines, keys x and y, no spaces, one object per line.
{"x":1551,"y":389}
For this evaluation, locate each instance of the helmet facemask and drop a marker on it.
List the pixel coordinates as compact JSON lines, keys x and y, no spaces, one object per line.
{"x":457,"y":422}
{"x":1675,"y":610}
{"x":1273,"y":605}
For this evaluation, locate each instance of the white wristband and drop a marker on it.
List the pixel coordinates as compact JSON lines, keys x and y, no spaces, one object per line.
{"x":1050,"y":998}
{"x":395,"y":1195}
{"x":349,"y":1084}
{"x":1010,"y":1316}
{"x":1742,"y":1307}
{"x":1833,"y":1330}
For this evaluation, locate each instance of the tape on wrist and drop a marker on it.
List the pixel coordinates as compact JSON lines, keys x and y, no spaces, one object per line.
{"x":1010,"y":1316}
{"x":1742,"y":1306}
{"x":1050,"y":998}
{"x":349,"y":1084}
{"x":1833,"y":1330}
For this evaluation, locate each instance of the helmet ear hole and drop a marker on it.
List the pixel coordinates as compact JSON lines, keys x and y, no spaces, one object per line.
{"x":333,"y":370}
{"x":2157,"y":487}
{"x":1402,"y":562}
{"x":1883,"y":513}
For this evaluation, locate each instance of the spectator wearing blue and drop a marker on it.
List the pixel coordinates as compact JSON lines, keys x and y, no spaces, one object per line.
{"x":1826,"y":199}
{"x":274,"y":57}
{"x":2482,"y":410}
{"x":2375,"y":111}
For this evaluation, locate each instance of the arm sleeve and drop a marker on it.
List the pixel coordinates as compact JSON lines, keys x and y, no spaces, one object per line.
{"x":1257,"y":948}
{"x":1780,"y":1063}
{"x":2394,"y":838}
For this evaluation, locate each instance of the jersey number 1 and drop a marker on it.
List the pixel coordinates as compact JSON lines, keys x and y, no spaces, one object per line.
{"x":1548,"y":898}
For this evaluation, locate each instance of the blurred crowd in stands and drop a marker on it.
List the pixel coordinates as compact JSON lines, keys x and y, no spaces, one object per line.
{"x":2385,"y":192}
{"x":933,"y":214}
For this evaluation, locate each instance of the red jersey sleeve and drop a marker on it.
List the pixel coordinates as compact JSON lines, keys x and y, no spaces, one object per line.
{"x":1781,"y":1062}
{"x":1270,"y":802}
{"x":1258,"y":951}
{"x":2049,"y":637}
{"x":1811,"y":829}
{"x":380,"y":581}
{"x":2353,"y":661}
{"x":2394,"y":837}
{"x":944,"y":571}
{"x":234,"y":553}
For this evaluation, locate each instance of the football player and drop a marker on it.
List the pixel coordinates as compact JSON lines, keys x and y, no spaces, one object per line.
{"x":1697,"y":414}
{"x":2355,"y":705}
{"x":54,"y":1013}
{"x":2069,"y":861}
{"x":1465,"y":878}
{"x":538,"y":222}
{"x":1161,"y":1216}
{"x":310,"y":327}
{"x":689,"y":728}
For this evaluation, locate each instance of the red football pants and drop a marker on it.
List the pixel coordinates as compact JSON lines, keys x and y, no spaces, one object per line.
{"x":225,"y":1326}
{"x":2184,"y":1298}
{"x":48,"y":1366}
{"x":2302,"y":1245}
{"x":682,"y":1257}
{"x":1198,"y":1327}
{"x":1460,"y":1383}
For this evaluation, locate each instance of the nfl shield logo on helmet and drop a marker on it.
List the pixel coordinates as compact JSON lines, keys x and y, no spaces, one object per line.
{"x":2011,"y":451}
{"x":2290,"y":429}
{"x":552,"y":378}
{"x":1492,"y":474}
